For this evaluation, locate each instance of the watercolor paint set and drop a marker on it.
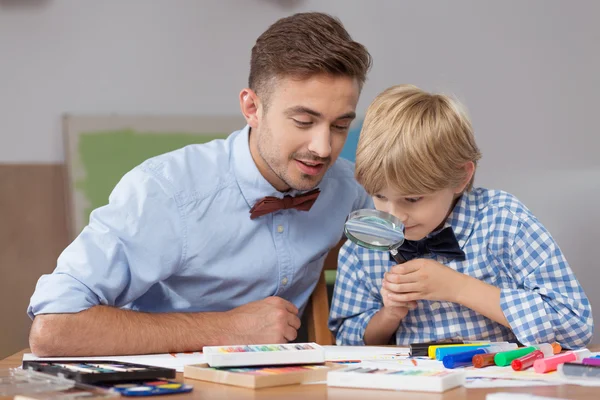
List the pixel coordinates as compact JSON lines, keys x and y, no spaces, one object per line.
{"x":149,"y":388}
{"x":266,"y":354}
{"x":94,"y":372}
{"x":259,"y":377}
{"x":409,"y":379}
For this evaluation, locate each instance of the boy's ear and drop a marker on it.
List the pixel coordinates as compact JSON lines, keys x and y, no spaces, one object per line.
{"x":250,"y":106}
{"x":469,"y":168}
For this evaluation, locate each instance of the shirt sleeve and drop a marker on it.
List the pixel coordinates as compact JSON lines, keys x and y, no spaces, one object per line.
{"x":355,"y":300}
{"x":135,"y":241}
{"x":363,"y":199}
{"x":549,"y":304}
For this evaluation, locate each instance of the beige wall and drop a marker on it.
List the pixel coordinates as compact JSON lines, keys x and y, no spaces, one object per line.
{"x":33,"y":232}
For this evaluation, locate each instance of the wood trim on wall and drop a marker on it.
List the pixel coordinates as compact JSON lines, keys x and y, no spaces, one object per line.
{"x":33,"y":232}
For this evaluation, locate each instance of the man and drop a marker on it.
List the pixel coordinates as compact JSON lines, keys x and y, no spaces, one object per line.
{"x":188,"y":253}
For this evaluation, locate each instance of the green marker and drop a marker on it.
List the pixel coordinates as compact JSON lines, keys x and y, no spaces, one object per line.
{"x":504,"y":358}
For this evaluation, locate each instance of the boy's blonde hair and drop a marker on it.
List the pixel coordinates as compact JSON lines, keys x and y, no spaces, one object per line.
{"x":414,"y":141}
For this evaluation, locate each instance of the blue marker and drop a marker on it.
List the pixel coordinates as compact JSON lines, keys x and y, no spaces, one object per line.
{"x":445,"y":351}
{"x":461,"y":359}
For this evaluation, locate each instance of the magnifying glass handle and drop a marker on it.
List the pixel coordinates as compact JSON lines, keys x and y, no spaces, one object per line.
{"x":397,"y":256}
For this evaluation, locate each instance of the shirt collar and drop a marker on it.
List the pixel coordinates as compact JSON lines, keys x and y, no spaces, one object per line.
{"x":462,"y":217}
{"x":249,"y":179}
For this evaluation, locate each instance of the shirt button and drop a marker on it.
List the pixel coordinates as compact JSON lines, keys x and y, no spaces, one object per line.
{"x":280,"y":228}
{"x":284,"y":281}
{"x":435,"y":306}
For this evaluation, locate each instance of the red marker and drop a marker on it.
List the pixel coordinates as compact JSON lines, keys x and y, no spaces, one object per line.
{"x":551,"y":363}
{"x":526,"y":361}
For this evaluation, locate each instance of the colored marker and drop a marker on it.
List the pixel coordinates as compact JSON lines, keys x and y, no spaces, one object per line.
{"x":432,"y":349}
{"x":504,"y":358}
{"x":421,"y":349}
{"x":484,"y":360}
{"x":461,"y":359}
{"x":526,"y":361}
{"x":346,"y":361}
{"x":546,"y":348}
{"x":557,"y":347}
{"x":591,"y":361}
{"x":576,"y":370}
{"x":550,"y":364}
{"x":492,"y":348}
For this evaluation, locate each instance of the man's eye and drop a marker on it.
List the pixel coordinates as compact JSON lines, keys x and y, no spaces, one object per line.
{"x":302,"y":123}
{"x":341,"y":127}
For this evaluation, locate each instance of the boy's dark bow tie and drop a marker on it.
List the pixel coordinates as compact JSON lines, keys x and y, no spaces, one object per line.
{"x":269,"y":204}
{"x":443,"y":243}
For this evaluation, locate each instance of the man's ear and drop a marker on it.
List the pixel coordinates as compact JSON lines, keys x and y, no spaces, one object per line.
{"x":251,"y":107}
{"x":469,"y":168}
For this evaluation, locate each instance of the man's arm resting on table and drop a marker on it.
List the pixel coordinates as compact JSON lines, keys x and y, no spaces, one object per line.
{"x":104,"y":330}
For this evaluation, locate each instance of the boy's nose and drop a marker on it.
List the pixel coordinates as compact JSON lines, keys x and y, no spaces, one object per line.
{"x":402,"y":216}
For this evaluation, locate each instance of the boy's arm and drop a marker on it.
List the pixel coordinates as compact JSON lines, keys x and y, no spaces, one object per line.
{"x":383,"y":325}
{"x":355,"y":299}
{"x":551,"y":306}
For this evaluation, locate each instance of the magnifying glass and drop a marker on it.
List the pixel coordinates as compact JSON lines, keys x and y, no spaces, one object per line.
{"x":376,"y":230}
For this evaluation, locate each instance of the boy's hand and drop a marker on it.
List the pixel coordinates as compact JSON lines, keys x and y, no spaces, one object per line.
{"x":395,"y":310}
{"x":421,"y":279}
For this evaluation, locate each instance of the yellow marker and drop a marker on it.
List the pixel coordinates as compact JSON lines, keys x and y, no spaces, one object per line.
{"x":431,"y":350}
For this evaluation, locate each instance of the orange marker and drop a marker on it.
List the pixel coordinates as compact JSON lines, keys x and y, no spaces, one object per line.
{"x":483,"y":360}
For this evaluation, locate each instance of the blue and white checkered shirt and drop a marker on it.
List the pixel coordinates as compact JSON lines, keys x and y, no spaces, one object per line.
{"x":505,"y":246}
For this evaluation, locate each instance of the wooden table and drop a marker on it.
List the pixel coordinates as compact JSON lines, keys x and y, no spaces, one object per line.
{"x":209,"y":391}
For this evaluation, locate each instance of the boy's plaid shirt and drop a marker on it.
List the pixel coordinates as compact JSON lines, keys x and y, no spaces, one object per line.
{"x":505,"y":246}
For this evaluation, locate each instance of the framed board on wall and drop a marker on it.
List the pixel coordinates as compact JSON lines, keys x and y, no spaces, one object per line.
{"x":99,"y":150}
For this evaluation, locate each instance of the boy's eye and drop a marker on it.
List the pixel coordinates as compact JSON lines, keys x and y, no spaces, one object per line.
{"x":412,"y":199}
{"x":302,"y":123}
{"x":379,"y":197}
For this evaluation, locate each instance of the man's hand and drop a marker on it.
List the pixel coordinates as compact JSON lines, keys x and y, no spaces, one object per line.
{"x":422,"y":279}
{"x":272,"y":320}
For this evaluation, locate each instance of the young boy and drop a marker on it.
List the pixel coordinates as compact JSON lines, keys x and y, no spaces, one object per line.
{"x":480,"y":265}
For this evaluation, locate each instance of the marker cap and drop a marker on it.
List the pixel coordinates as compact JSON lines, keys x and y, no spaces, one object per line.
{"x":526,"y":361}
{"x":506,"y":357}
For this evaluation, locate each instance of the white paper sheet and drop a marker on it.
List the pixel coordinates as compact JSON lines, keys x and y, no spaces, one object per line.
{"x":175,"y":360}
{"x":333,"y":353}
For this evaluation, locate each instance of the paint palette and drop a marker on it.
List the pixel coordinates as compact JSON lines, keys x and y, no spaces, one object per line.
{"x":93,"y":372}
{"x":265,"y":354}
{"x":151,"y":388}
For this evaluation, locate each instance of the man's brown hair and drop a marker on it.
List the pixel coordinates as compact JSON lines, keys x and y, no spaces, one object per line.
{"x":303,"y":45}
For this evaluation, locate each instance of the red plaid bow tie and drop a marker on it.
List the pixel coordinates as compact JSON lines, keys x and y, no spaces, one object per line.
{"x":269,"y":204}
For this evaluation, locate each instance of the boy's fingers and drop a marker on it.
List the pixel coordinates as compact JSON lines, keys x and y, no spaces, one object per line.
{"x":402,"y":287}
{"x":398,"y":278}
{"x":406,"y":268}
{"x":404,"y":297}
